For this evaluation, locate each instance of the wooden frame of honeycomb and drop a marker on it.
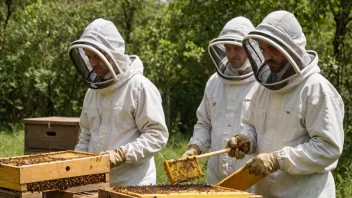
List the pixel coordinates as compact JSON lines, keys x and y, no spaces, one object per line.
{"x":182,"y":170}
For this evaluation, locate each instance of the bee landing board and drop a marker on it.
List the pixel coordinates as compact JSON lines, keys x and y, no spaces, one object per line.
{"x":48,"y":171}
{"x":168,"y":191}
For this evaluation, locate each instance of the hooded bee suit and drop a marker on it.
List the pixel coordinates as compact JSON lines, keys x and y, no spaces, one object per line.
{"x":227,"y":95}
{"x":297,"y":114}
{"x":122,"y":109}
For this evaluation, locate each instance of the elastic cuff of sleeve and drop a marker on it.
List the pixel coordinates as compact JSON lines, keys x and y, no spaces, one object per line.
{"x":279,"y":159}
{"x":124,"y":150}
{"x":122,"y":153}
{"x":198,"y":144}
{"x":196,"y":147}
{"x":252,"y":143}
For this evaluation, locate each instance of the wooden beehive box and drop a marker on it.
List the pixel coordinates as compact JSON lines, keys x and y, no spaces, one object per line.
{"x":55,"y":170}
{"x":5,"y":193}
{"x":63,"y":194}
{"x":169,"y":191}
{"x":49,"y":134}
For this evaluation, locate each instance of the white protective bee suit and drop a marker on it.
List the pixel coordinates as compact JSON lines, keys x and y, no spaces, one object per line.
{"x":226,"y":99}
{"x":298,"y":117}
{"x":121,"y":110}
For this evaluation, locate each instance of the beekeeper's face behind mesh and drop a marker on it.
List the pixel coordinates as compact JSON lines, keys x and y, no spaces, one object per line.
{"x":98,"y":65}
{"x":271,"y":64}
{"x":236,"y":55}
{"x":272,"y":56}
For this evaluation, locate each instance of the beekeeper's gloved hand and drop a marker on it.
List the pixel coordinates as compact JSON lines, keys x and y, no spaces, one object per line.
{"x":239,"y":145}
{"x":263,"y":164}
{"x":192,"y":150}
{"x":117,"y":157}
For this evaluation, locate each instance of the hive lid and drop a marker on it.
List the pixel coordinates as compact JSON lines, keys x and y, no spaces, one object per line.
{"x":53,"y":120}
{"x":241,"y":179}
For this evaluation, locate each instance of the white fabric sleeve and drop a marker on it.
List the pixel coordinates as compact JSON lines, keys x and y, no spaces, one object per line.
{"x":324,"y":119}
{"x":202,"y":129}
{"x":248,"y":121}
{"x":150,"y":120}
{"x":84,"y":136}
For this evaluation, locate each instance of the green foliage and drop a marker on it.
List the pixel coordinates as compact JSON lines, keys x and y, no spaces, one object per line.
{"x":172,"y":62}
{"x":37,"y":78}
{"x":342,"y":174}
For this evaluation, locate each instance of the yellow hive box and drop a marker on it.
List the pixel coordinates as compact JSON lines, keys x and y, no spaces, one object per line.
{"x":169,"y":191}
{"x":55,"y":170}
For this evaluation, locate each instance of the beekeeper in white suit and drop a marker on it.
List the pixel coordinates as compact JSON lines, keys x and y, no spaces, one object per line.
{"x":122,"y":113}
{"x":294,"y":122}
{"x":227,"y":96}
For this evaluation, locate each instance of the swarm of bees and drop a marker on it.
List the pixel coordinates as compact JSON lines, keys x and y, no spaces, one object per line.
{"x":65,"y":183}
{"x":40,"y":158}
{"x":166,"y":189}
{"x":182,"y":170}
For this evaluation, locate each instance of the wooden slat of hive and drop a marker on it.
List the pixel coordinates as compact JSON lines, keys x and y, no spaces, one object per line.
{"x":220,"y":193}
{"x":52,"y":120}
{"x":200,"y":195}
{"x":87,"y":188}
{"x":7,"y":193}
{"x":77,"y":192}
{"x":59,"y":194}
{"x":107,"y":193}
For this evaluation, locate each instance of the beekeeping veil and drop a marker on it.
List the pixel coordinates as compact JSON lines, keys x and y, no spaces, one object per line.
{"x":102,"y":38}
{"x":233,"y":33}
{"x":281,"y":30}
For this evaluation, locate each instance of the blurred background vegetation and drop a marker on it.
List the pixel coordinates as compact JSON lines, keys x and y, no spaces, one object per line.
{"x":37,"y":78}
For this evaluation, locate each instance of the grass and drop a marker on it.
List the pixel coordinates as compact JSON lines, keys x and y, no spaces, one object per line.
{"x":11,"y":144}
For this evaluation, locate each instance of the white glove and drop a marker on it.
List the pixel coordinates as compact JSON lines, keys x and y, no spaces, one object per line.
{"x":117,"y":157}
